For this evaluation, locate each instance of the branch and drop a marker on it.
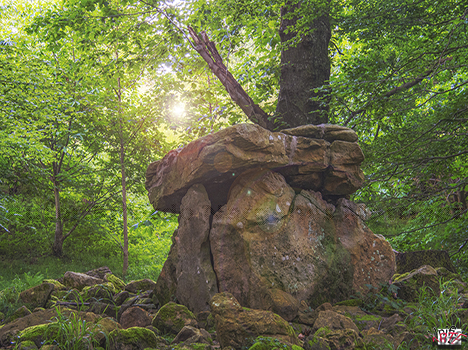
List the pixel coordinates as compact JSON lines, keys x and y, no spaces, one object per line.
{"x":461,"y":247}
{"x":440,"y":223}
{"x":208,"y":51}
{"x":404,"y":86}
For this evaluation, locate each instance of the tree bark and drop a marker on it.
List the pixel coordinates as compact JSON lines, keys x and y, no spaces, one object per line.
{"x":124,"y":182}
{"x":124,"y":209}
{"x":304,"y":68}
{"x":208,"y":51}
{"x":57,"y":246}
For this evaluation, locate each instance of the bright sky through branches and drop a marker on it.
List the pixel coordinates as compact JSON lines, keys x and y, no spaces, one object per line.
{"x":178,"y":111}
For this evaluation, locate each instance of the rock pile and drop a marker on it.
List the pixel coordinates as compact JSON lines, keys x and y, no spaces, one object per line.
{"x":266,"y":217}
{"x":137,"y":321}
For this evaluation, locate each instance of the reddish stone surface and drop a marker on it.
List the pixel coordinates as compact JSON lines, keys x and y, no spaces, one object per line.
{"x":135,"y":317}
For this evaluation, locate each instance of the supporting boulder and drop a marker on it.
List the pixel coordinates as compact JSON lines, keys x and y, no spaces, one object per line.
{"x":188,"y":274}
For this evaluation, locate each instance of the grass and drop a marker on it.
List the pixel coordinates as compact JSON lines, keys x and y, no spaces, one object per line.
{"x":53,"y":267}
{"x":435,"y":313}
{"x":19,"y":275}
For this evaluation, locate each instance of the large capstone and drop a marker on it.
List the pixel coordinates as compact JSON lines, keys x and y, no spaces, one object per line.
{"x":322,"y":158}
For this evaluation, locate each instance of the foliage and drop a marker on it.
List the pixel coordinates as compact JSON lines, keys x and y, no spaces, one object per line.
{"x":72,"y":333}
{"x":149,"y":243}
{"x":378,"y":297}
{"x":82,"y":81}
{"x":10,"y":291}
{"x":400,"y":83}
{"x":434,"y":313}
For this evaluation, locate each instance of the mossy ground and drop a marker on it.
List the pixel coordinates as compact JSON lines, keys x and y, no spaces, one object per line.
{"x":268,"y":343}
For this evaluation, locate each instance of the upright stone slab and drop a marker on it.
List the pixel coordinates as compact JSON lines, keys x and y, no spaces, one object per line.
{"x":371,"y":255}
{"x":188,"y":271}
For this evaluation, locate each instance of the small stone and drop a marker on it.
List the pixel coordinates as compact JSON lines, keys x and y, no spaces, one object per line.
{"x":135,"y":317}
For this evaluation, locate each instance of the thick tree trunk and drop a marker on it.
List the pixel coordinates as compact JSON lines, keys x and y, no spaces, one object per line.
{"x":304,"y":67}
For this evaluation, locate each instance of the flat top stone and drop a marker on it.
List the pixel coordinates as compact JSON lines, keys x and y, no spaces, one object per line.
{"x":329,"y":132}
{"x":302,"y":154}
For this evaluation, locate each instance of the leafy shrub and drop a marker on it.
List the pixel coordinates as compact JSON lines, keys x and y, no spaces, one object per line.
{"x":377,"y":297}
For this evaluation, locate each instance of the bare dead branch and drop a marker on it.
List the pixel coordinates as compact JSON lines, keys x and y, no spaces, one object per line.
{"x":207,"y":50}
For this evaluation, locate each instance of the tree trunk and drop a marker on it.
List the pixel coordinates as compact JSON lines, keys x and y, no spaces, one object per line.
{"x":57,"y":246}
{"x":304,"y":67}
{"x":124,"y":208}
{"x":124,"y":182}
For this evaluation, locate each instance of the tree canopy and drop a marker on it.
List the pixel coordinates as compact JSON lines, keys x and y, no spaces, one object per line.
{"x":89,"y":90}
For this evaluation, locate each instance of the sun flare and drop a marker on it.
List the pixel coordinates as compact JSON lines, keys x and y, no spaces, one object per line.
{"x":178,"y":110}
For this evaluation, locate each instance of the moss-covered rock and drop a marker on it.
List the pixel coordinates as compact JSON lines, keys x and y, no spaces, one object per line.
{"x":350,"y":302}
{"x":409,"y":284}
{"x":189,"y":335}
{"x":140,"y":285}
{"x":106,"y":326}
{"x":119,"y":285}
{"x":172,"y":317}
{"x":34,"y":334}
{"x":134,"y":338}
{"x":57,"y":285}
{"x":8,"y":333}
{"x":20,"y":312}
{"x":324,"y":338}
{"x":365,"y":321}
{"x":238,"y":327}
{"x":375,"y":339}
{"x":333,"y":321}
{"x":27,"y":345}
{"x":268,"y":343}
{"x":37,"y":296}
{"x":52,"y":347}
{"x":316,"y":343}
{"x":104,"y":291}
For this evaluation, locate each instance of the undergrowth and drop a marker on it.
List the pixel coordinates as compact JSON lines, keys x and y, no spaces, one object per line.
{"x":433,"y":313}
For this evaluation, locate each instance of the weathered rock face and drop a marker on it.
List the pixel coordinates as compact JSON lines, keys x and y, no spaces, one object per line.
{"x":293,"y":243}
{"x":264,"y":216}
{"x":79,"y":280}
{"x":194,"y":267}
{"x":37,"y":296}
{"x":322,"y":158}
{"x":410,"y":283}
